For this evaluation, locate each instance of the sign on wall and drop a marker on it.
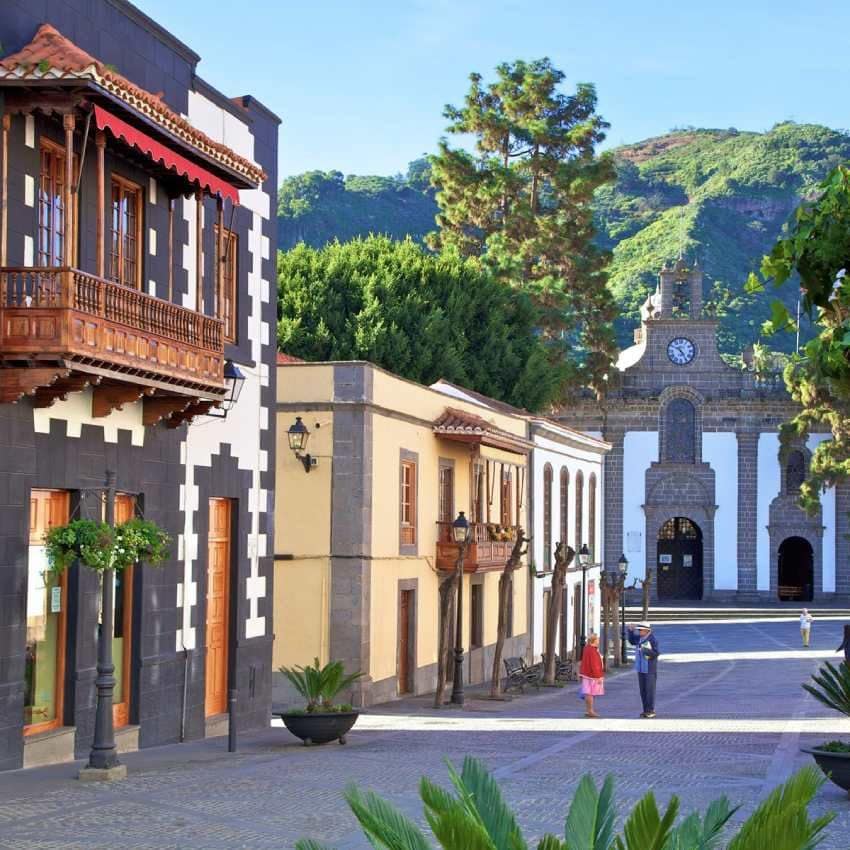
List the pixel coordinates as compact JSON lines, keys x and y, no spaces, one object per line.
{"x":634,"y":541}
{"x":665,"y":559}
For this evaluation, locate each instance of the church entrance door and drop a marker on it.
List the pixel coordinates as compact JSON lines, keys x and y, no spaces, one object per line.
{"x":679,"y":560}
{"x":796,"y":570}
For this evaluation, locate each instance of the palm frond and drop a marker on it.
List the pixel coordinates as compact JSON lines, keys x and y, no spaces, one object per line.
{"x":453,"y":822}
{"x":309,"y":844}
{"x":550,"y":842}
{"x":832,"y":687}
{"x":782,"y":821}
{"x":647,"y":829}
{"x":696,"y":833}
{"x":590,"y":822}
{"x":383,"y":824}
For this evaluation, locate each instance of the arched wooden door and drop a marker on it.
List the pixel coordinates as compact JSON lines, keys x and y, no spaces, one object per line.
{"x":796,"y":576}
{"x":122,"y":635}
{"x":218,"y":606}
{"x":680,"y":560}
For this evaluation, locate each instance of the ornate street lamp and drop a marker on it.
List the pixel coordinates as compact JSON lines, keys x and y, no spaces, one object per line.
{"x":460,"y":535}
{"x":298,"y":437}
{"x":623,"y":567}
{"x":583,"y":558}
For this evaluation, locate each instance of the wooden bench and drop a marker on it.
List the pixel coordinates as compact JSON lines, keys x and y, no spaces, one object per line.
{"x":519,"y":674}
{"x":790,"y":591}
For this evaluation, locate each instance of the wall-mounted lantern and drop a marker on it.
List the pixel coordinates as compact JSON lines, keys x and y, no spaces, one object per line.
{"x":234,"y":379}
{"x":298,"y":437}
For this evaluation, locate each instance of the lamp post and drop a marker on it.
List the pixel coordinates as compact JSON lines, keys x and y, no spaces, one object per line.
{"x":583,"y":558}
{"x":460,"y":534}
{"x":623,"y":567}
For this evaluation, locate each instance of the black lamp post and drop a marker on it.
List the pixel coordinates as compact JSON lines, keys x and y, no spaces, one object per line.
{"x":298,"y":436}
{"x":235,"y":380}
{"x":623,"y":567}
{"x":460,"y":534}
{"x":583,"y":558}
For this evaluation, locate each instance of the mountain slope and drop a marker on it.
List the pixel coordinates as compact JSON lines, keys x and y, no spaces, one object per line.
{"x":718,"y":196}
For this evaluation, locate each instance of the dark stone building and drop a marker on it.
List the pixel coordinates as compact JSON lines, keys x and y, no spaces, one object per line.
{"x":696,"y":487}
{"x":137,"y":245}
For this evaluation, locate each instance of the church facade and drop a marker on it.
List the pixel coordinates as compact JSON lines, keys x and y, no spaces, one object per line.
{"x":696,"y":486}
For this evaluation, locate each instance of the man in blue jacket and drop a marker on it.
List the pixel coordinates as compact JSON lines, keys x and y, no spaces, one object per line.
{"x":646,"y":663}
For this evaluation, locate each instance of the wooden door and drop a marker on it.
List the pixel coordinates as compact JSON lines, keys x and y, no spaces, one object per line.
{"x":44,"y":668}
{"x":218,"y":605}
{"x":405,"y":641}
{"x":122,"y":631}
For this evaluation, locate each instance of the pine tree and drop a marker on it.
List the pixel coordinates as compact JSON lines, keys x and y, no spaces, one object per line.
{"x":522,"y":202}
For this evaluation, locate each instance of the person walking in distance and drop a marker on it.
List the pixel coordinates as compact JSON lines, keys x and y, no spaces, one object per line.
{"x":805,"y":626}
{"x":845,"y":645}
{"x":646,"y":663}
{"x":592,"y":674}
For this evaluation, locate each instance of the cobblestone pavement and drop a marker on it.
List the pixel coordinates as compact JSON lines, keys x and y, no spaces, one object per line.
{"x":732,"y":717}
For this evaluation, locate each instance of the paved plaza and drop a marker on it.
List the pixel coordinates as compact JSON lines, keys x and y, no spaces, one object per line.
{"x":732,"y":717}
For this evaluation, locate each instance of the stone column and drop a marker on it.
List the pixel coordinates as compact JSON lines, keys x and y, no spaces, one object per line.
{"x":613,"y":497}
{"x":747,"y":510}
{"x":842,"y":539}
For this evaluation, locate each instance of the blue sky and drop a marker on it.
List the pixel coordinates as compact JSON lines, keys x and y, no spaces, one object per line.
{"x":360,"y":84}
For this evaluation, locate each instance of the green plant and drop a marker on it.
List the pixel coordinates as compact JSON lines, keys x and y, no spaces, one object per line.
{"x":319,"y":685}
{"x":834,"y":747}
{"x":102,"y":547}
{"x":832,"y":687}
{"x":475,"y":817}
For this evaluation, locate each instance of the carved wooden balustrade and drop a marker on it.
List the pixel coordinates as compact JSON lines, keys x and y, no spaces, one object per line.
{"x":483,"y":553}
{"x":61,"y":329}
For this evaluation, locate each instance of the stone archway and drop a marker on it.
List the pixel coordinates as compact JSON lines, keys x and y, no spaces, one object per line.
{"x":795,"y":570}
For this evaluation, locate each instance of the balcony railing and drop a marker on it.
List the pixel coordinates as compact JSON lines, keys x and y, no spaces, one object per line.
{"x":485,"y":550}
{"x":85,"y":319}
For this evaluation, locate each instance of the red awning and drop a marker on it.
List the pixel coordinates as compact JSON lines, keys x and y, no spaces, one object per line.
{"x":160,"y":153}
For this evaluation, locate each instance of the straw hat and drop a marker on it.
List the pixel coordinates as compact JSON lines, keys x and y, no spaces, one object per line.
{"x":643,"y":625}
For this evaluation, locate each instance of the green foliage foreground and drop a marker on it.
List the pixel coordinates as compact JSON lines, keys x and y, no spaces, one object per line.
{"x":419,"y":315}
{"x":320,"y":685}
{"x":476,"y":817}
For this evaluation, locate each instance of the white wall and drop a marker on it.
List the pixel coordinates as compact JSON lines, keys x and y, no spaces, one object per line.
{"x":720,"y":450}
{"x":827,"y":501}
{"x":768,"y":489}
{"x":640,"y":449}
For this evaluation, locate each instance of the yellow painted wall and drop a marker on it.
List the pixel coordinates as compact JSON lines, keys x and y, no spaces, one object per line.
{"x":304,"y":382}
{"x":301,"y":593}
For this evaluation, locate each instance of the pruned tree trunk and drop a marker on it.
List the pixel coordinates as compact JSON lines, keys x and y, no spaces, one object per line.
{"x":564,"y":555}
{"x":506,"y":583}
{"x":615,"y":619}
{"x":646,"y":587}
{"x":448,"y":594}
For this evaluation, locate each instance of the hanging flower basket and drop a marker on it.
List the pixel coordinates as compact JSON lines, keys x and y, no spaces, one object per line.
{"x":102,"y":547}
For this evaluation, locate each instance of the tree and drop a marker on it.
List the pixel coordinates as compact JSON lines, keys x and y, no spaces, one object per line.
{"x":817,"y":248}
{"x":421,"y":316}
{"x":564,"y":555}
{"x":522,"y":202}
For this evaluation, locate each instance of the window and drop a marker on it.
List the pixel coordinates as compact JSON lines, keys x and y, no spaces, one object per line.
{"x":547,"y":517}
{"x":477,"y":492}
{"x":476,"y":618}
{"x":679,"y":431}
{"x":51,"y":206}
{"x":447,"y":492}
{"x":226,"y":310}
{"x":408,"y":503}
{"x":565,"y":502}
{"x":579,"y":510}
{"x":591,"y":519}
{"x":505,"y":500}
{"x":795,"y":471}
{"x":125,"y":265}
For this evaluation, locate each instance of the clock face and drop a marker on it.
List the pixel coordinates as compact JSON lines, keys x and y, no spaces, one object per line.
{"x":681,"y":351}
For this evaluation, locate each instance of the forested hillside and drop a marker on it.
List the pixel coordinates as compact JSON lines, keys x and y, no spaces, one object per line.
{"x":718,"y":196}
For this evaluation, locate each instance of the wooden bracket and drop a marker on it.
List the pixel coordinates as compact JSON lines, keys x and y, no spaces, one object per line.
{"x":197,"y":408}
{"x":74,"y":383}
{"x":163,"y":407}
{"x":111,"y":397}
{"x":18,"y":382}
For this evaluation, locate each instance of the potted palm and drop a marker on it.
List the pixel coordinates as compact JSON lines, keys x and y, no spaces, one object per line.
{"x":832,"y":688}
{"x":321,"y":720}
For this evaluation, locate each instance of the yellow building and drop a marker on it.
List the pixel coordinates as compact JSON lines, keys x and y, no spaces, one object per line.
{"x":363,"y":525}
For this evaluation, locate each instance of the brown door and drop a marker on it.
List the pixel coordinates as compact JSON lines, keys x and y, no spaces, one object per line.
{"x":44,"y":669}
{"x":218,"y":596}
{"x":405,"y":641}
{"x":122,"y":635}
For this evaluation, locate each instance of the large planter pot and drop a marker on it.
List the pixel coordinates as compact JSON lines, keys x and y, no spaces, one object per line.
{"x":835,"y":765}
{"x":320,"y":727}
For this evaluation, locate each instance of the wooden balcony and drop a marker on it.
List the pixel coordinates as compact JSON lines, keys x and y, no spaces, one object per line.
{"x":62,"y":329}
{"x":482,"y":552}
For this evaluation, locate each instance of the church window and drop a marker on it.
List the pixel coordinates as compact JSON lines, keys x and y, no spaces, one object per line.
{"x":795,"y":471}
{"x":680,"y":431}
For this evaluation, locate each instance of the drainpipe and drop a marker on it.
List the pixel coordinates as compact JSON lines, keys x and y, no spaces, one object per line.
{"x":186,"y":656}
{"x":529,"y":495}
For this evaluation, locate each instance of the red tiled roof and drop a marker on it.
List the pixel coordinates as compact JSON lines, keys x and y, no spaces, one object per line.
{"x":455,"y":424}
{"x":286,"y":359}
{"x":52,"y":56}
